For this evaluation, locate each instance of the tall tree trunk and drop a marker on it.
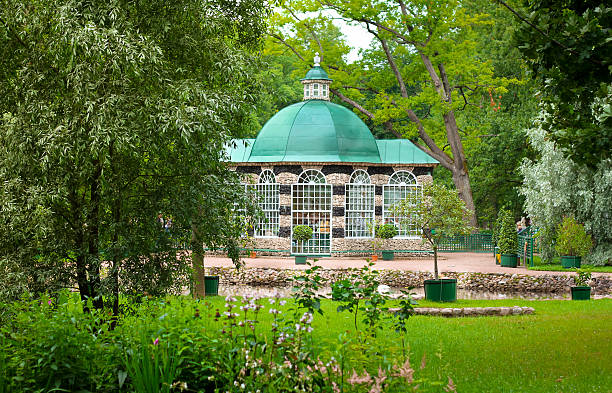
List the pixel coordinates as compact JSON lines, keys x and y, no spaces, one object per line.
{"x":459,"y":169}
{"x":197,"y":258}
{"x":116,"y":262}
{"x":93,"y":236}
{"x":116,"y":214}
{"x":81,"y":257}
{"x":435,"y":250}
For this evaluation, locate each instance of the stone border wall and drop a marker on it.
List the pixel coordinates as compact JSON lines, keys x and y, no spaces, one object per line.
{"x":472,"y":311}
{"x":492,"y":282}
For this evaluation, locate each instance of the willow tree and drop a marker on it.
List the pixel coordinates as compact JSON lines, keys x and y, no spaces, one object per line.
{"x":421,"y":68}
{"x":112,"y":113}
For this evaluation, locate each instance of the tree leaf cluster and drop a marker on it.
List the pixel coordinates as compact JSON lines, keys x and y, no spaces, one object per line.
{"x":115,"y":112}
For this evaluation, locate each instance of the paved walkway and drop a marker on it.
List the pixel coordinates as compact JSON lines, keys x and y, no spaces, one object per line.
{"x":447,"y":262}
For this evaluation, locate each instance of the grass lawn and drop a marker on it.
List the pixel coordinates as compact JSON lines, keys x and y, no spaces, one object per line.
{"x":566,"y":346}
{"x":556,"y":266}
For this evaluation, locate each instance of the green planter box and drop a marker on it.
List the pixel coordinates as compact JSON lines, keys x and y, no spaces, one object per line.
{"x":442,"y":290}
{"x":300,"y":259}
{"x":388,"y":255}
{"x":509,"y":260}
{"x":569,"y":262}
{"x":581,"y":293}
{"x":211,"y":285}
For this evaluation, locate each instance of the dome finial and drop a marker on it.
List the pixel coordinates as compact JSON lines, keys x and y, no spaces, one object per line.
{"x":317,"y":60}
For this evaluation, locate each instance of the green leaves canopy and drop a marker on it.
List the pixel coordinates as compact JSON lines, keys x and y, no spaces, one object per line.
{"x":568,"y":45}
{"x":112,"y":112}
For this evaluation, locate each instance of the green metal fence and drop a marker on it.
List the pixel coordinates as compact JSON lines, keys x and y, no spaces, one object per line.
{"x":526,"y":245}
{"x":476,"y":242}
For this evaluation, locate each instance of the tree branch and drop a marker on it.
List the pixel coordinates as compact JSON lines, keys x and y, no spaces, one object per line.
{"x":427,"y":150}
{"x":445,"y":84}
{"x":282,"y":41}
{"x":353,"y":103}
{"x":394,"y":68}
{"x":432,"y":74}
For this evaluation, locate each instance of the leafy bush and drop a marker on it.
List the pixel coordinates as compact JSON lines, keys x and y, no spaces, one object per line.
{"x":572,"y":239}
{"x":385,"y":231}
{"x":555,"y":187}
{"x":50,"y":344}
{"x":359,"y":292}
{"x":302,"y":233}
{"x":507,"y":239}
{"x":181,"y":344}
{"x":582,"y":278}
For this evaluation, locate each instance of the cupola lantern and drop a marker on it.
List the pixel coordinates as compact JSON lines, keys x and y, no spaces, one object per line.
{"x":316,"y":82}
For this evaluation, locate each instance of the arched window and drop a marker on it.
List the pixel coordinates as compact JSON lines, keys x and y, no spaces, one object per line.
{"x":311,"y":205}
{"x":312,"y":176}
{"x":402,"y":185}
{"x":359,"y":206}
{"x":268,"y":200}
{"x":402,"y":177}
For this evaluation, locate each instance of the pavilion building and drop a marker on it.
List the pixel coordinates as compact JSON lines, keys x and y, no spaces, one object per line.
{"x":316,"y":163}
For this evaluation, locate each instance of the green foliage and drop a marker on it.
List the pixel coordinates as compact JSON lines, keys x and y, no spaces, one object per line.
{"x":305,"y":290}
{"x":507,"y":240}
{"x":582,"y":278}
{"x":555,"y":187}
{"x":50,"y":344}
{"x":570,"y":55}
{"x":302,"y":233}
{"x":214,"y":345}
{"x":385,"y":231}
{"x":113,"y":112}
{"x":572,"y":239}
{"x":152,"y":365}
{"x":359,"y":292}
{"x":439,"y":213}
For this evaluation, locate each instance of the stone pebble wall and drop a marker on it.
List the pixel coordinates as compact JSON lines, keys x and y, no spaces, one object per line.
{"x":336,"y":175}
{"x":491,"y":282}
{"x":472,"y":311}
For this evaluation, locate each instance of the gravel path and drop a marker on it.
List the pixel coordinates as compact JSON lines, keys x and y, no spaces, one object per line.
{"x":447,"y":262}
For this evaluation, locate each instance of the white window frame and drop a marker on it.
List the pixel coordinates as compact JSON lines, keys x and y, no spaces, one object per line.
{"x":307,"y":90}
{"x":312,"y":204}
{"x":268,"y":195}
{"x":359,"y":210}
{"x":402,"y":184}
{"x":324,"y":90}
{"x":315,"y":90}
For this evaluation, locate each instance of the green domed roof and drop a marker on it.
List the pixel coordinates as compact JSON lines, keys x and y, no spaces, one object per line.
{"x":315,"y":131}
{"x":316,"y":72}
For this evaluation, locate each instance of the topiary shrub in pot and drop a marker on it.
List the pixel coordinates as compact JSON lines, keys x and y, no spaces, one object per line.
{"x":301,"y":234}
{"x":507,"y":239}
{"x":581,"y":289}
{"x":384,"y":232}
{"x":573,"y":242}
{"x":438,"y":214}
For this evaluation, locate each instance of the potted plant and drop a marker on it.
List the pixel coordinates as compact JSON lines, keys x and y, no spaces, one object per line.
{"x":384,"y":232}
{"x":572,"y":242}
{"x":581,"y":289}
{"x":439,"y":213}
{"x":507,"y":240}
{"x":301,"y":234}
